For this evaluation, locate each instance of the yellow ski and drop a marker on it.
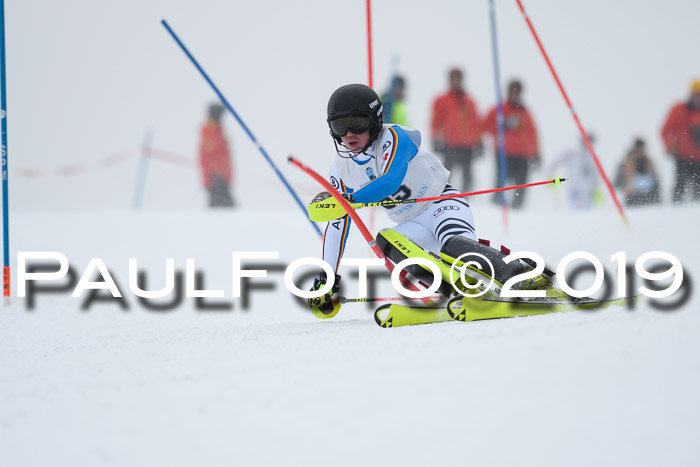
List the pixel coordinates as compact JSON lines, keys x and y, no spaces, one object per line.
{"x":475,"y":309}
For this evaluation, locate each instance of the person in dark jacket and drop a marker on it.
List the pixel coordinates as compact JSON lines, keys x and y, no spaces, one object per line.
{"x":638,"y":178}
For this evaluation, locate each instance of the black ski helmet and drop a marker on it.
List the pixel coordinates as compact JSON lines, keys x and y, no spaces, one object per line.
{"x":356,"y":99}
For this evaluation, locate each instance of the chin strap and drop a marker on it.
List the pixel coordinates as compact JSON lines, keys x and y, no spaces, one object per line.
{"x":348,"y":154}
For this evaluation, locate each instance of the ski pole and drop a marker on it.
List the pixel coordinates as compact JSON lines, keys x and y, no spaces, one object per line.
{"x":380,"y":299}
{"x":226,"y":104}
{"x":589,"y":146}
{"x":5,"y":205}
{"x":326,"y":210}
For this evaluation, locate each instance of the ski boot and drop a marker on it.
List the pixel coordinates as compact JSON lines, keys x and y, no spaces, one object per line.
{"x":490,"y":264}
{"x":398,"y":247}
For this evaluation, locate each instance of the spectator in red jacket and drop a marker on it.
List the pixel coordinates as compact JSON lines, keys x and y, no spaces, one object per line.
{"x":521,"y":149}
{"x":681,"y":135}
{"x":455,"y":129}
{"x":215,"y":160}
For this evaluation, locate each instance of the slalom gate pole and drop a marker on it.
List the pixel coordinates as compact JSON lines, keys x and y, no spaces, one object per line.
{"x":370,"y":77}
{"x":589,"y":146}
{"x":143,"y":169}
{"x":5,"y":204}
{"x":226,"y":104}
{"x":360,"y":225}
{"x":381,"y":299}
{"x":500,"y":124}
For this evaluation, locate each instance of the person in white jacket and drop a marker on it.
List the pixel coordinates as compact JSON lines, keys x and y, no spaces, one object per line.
{"x":582,"y":179}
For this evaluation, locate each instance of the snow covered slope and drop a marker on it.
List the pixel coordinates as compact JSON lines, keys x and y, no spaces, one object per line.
{"x":274,"y":386}
{"x":270,"y":384}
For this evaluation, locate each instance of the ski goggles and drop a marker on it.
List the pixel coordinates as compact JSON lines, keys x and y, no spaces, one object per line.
{"x":356,"y":124}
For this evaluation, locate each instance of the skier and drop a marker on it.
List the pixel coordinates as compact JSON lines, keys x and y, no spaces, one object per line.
{"x":377,"y":161}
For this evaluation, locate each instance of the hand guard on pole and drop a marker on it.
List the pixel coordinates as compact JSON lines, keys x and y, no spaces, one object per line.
{"x":324,"y":195}
{"x":325,"y":307}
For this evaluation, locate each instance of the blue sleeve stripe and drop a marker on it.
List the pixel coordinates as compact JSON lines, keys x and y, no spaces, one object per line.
{"x":389,"y":181}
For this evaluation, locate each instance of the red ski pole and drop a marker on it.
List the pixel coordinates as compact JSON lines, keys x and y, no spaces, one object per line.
{"x":380,"y":299}
{"x":462,"y":195}
{"x":325,"y":210}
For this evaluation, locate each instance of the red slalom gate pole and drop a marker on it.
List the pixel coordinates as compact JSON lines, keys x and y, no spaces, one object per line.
{"x":369,"y":43}
{"x":348,"y":209}
{"x":370,"y":78}
{"x":589,"y":146}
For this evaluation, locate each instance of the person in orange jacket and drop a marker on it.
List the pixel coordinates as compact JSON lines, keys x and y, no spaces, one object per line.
{"x":681,"y":135}
{"x":455,"y":128}
{"x":521,"y":147}
{"x":215,"y":159}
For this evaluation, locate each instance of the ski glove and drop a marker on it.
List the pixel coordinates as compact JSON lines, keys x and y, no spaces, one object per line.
{"x":324,"y":195}
{"x":323,"y":307}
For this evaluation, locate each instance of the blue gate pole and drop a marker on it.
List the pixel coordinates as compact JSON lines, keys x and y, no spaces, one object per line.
{"x":5,"y":205}
{"x":501,"y":137}
{"x":226,"y":104}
